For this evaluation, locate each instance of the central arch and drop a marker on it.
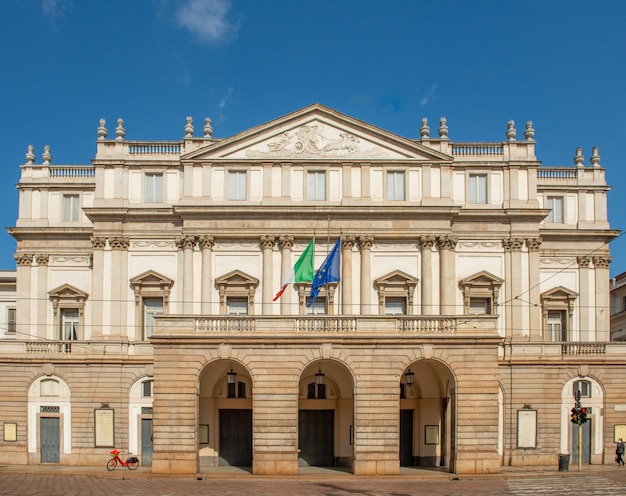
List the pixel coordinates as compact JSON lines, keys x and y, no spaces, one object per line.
{"x":225,"y":415}
{"x":325,"y":415}
{"x":427,"y":425}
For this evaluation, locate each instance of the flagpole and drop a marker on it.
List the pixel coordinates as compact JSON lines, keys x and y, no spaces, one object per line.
{"x":328,"y":236}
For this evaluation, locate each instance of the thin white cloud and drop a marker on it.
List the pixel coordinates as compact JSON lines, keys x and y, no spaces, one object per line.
{"x":222,"y":103}
{"x":207,"y":19}
{"x":425,"y":99}
{"x":54,"y":9}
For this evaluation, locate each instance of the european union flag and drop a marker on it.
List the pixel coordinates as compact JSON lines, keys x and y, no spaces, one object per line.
{"x":328,"y":272}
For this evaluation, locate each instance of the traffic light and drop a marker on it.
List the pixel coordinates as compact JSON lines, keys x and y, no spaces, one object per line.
{"x":582,"y":416}
{"x":574,"y":416}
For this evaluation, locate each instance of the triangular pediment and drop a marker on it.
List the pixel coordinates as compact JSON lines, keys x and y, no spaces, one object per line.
{"x":67,"y":291}
{"x":152,"y":279}
{"x":316,"y":132}
{"x":236,"y":278}
{"x":396,"y":278}
{"x":559,"y":293}
{"x":482,"y":278}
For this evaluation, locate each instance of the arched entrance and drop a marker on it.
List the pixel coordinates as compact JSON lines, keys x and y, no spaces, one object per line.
{"x":225,"y":415}
{"x":588,"y":436}
{"x":325,"y":415}
{"x":427,"y":391}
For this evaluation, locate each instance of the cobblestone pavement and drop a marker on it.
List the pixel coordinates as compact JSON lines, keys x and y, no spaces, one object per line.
{"x":44,"y":485}
{"x":608,"y":481}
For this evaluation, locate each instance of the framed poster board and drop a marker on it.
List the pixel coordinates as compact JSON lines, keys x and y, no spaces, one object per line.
{"x":619,"y":431}
{"x":104,"y":428}
{"x":431,"y":434}
{"x":10,"y":431}
{"x":203,"y":434}
{"x":527,"y":428}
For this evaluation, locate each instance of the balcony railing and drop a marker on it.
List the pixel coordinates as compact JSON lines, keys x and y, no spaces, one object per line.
{"x":427,"y":324}
{"x":583,"y":349}
{"x":557,"y":174}
{"x":154,"y":148}
{"x":477,"y":149}
{"x":48,"y":347}
{"x":71,"y":172}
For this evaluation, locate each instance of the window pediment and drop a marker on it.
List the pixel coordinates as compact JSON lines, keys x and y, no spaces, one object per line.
{"x":237,"y":278}
{"x":68,"y":292}
{"x":482,"y":279}
{"x":396,"y":279}
{"x":151,"y":279}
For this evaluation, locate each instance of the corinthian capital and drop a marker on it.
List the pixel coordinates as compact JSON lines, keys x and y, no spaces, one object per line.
{"x":267,"y":242}
{"x":602,"y":262}
{"x":446,"y":242}
{"x":365,"y":242}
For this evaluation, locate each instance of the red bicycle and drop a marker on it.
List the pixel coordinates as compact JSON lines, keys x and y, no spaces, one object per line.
{"x":131,"y":463}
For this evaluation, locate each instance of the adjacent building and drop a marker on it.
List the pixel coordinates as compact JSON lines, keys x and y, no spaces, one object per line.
{"x":472,"y":303}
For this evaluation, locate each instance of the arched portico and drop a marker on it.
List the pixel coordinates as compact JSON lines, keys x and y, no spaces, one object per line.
{"x":427,"y":390}
{"x":325,"y":415}
{"x":225,"y":415}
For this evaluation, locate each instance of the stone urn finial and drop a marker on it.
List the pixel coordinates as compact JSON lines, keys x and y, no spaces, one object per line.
{"x":30,"y":155}
{"x":579,"y":159}
{"x":208,"y":129}
{"x":425,"y":129}
{"x":102,"y":130}
{"x":120,"y":132}
{"x":47,"y":158}
{"x":510,"y":130}
{"x":443,"y":128}
{"x":529,"y":133}
{"x":189,"y":127}
{"x":595,"y":157}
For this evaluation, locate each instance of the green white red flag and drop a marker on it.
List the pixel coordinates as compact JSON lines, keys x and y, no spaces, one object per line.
{"x":302,"y":270}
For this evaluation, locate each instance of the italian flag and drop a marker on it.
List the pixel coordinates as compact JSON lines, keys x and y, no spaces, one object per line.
{"x":301,"y":271}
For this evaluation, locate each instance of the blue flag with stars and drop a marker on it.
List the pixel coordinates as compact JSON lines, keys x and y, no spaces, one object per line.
{"x":328,"y":272}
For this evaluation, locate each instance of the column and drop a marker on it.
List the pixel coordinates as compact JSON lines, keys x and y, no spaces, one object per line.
{"x":603,"y":326}
{"x":534,"y":309}
{"x":286,"y":244}
{"x":23,"y":329}
{"x":365,"y":244}
{"x":97,"y":286}
{"x":41,"y":311}
{"x":585,"y":325}
{"x":514,"y":247}
{"x":447,"y":266}
{"x":187,"y":244}
{"x":347,"y":243}
{"x":119,"y":286}
{"x":267,"y":245}
{"x":426,"y":244}
{"x":206,"y":245}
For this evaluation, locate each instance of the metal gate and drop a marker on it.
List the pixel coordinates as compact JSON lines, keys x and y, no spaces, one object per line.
{"x":316,"y":437}
{"x":49,"y":439}
{"x":146,"y":441}
{"x":406,"y":438}
{"x":236,"y":438}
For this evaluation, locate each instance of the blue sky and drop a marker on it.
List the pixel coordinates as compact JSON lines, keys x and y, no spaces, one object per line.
{"x":68,"y":63}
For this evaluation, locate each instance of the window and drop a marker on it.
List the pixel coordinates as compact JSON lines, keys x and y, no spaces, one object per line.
{"x":395,"y":185}
{"x":316,"y":391}
{"x":70,"y":208}
{"x":555,"y":204}
{"x":236,"y":293}
{"x":316,"y":185}
{"x":318,"y":307}
{"x":49,"y":387}
{"x":396,"y":292}
{"x":146,"y":389}
{"x":584,"y":387}
{"x":480,"y":293}
{"x":395,"y":306}
{"x":151,"y":307}
{"x":480,"y":306}
{"x":478,"y":188}
{"x":69,"y":324}
{"x":11,"y":313}
{"x":236,"y":390}
{"x":154,"y":188}
{"x":557,"y":328}
{"x":237,"y":185}
{"x":237,"y":306}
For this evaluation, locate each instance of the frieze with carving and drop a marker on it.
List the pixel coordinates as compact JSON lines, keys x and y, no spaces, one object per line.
{"x":312,"y":140}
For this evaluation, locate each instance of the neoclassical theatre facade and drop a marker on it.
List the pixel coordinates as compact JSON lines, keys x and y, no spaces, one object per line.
{"x":473,"y":303}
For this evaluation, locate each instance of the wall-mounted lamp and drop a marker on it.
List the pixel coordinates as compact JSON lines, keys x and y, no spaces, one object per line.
{"x":319,"y":377}
{"x":409,"y":377}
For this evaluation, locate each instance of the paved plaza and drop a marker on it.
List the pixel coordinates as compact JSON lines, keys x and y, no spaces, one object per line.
{"x":77,"y":481}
